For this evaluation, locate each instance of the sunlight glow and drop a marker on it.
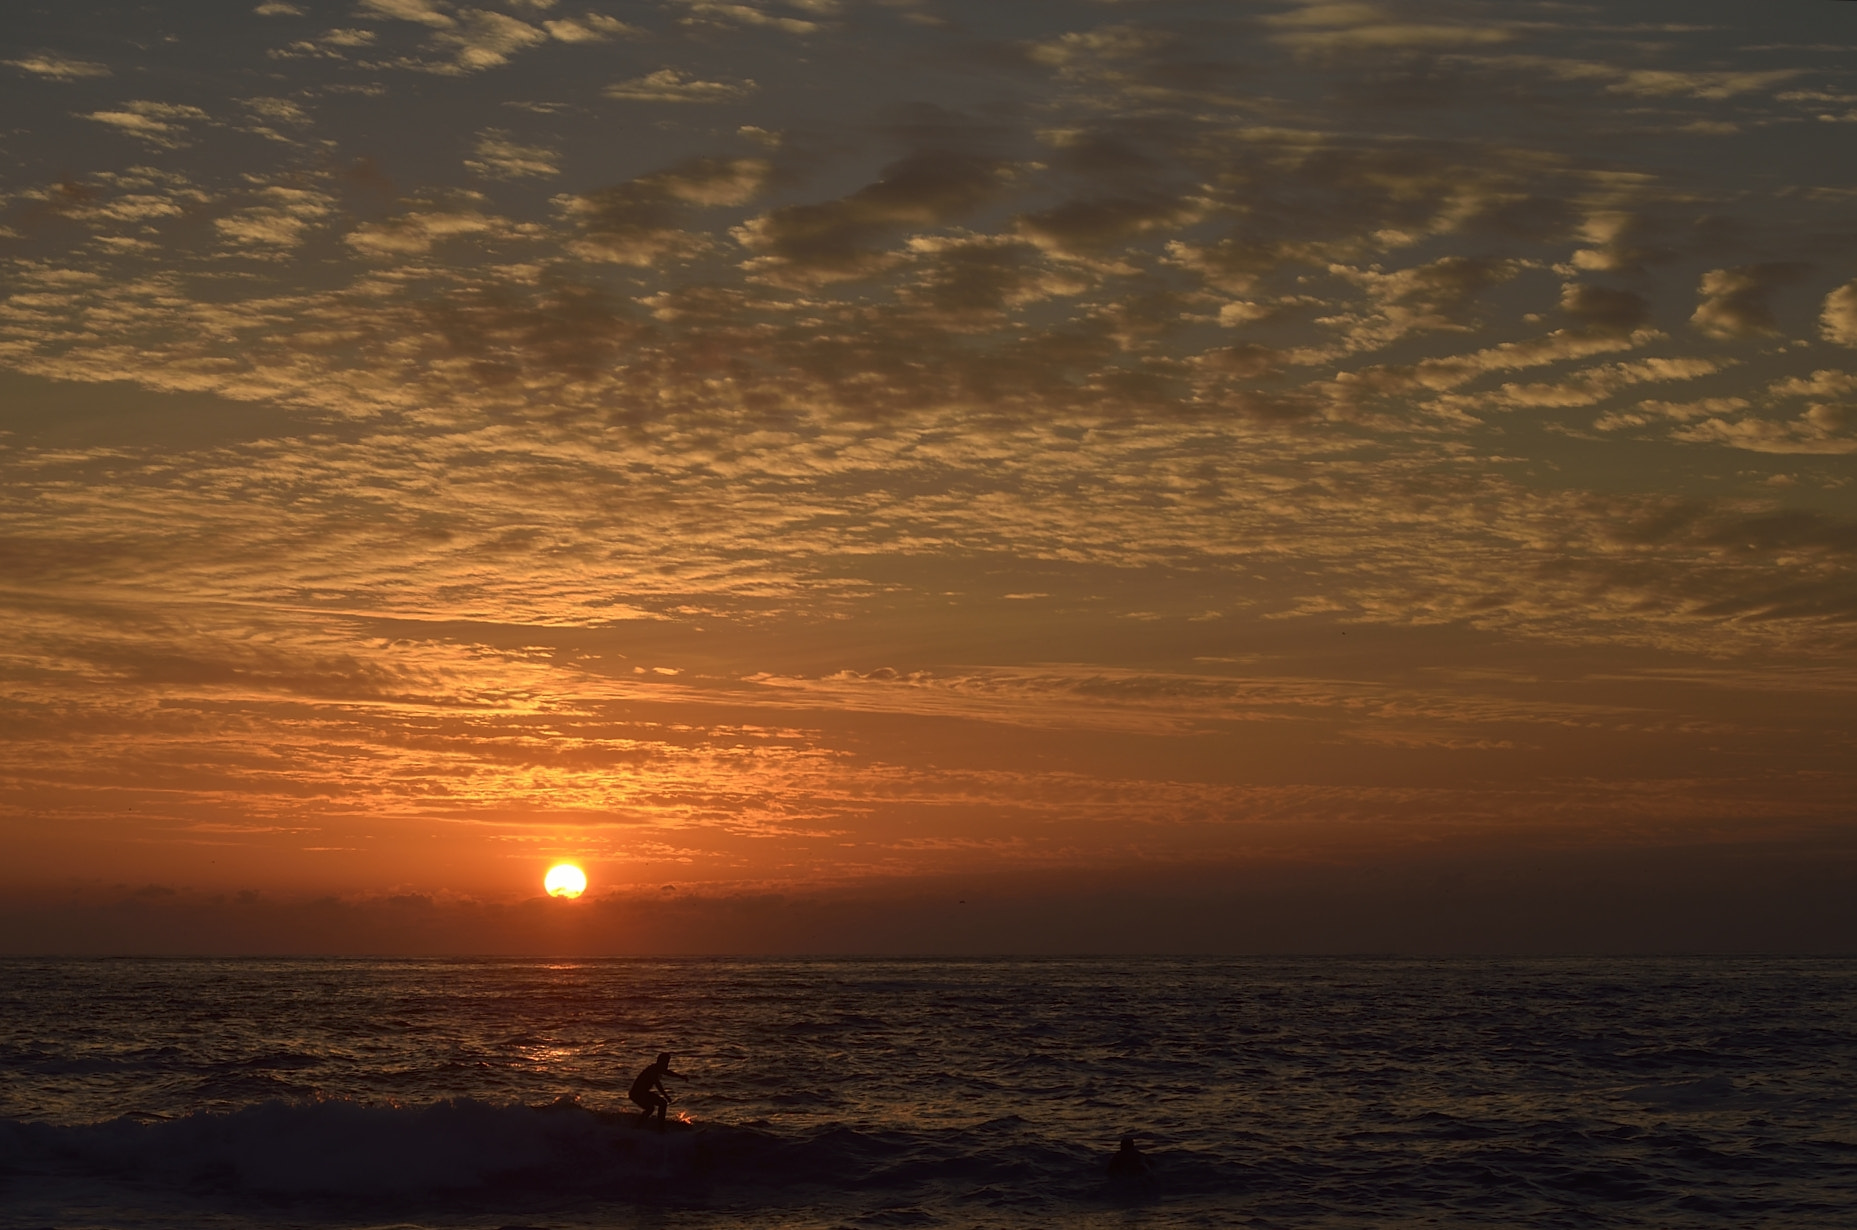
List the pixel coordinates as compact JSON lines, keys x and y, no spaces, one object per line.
{"x":565,"y":880}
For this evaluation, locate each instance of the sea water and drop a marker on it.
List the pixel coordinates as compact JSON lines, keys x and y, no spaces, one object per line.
{"x":1282,"y":1093}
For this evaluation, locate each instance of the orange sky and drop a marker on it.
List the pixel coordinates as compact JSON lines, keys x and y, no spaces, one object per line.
{"x":804,"y":448}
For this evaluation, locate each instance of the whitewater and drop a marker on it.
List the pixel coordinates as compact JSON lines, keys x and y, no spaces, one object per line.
{"x":1274,"y":1093}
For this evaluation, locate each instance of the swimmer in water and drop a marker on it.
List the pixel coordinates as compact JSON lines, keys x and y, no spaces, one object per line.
{"x":1128,"y":1163}
{"x":649,"y":1092}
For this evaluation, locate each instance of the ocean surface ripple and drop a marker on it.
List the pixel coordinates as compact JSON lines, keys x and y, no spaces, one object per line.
{"x":1273,"y":1093}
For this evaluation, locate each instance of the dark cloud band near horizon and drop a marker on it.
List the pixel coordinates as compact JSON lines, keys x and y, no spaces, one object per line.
{"x":841,"y":442}
{"x":1464,"y":898}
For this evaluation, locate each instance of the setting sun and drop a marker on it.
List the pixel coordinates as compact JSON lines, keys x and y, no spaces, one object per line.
{"x":1182,"y":442}
{"x":565,"y":880}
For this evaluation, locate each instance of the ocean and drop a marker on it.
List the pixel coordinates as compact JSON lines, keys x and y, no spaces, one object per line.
{"x":930,"y":1093}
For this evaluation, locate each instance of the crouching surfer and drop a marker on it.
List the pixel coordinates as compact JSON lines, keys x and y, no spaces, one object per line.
{"x":649,"y":1092}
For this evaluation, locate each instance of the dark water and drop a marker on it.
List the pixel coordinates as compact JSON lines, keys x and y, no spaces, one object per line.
{"x":1294,"y":1093}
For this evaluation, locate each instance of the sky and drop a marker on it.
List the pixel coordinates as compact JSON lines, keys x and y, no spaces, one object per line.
{"x":923,"y":475}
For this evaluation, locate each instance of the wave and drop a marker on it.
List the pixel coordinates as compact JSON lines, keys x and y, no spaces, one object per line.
{"x":350,"y":1150}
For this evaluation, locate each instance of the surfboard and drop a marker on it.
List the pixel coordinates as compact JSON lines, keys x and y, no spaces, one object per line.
{"x":640,"y":1122}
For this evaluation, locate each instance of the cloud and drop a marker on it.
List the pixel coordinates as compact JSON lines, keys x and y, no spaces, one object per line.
{"x":116,"y":204}
{"x":59,"y":68}
{"x":422,"y":12}
{"x":278,"y":110}
{"x":416,"y":232}
{"x":500,"y":157}
{"x":437,"y":508}
{"x":1838,"y":321}
{"x":719,"y":12}
{"x":675,"y":85}
{"x":1792,"y":530}
{"x":1106,"y":43}
{"x":713,"y":181}
{"x":1461,"y":892}
{"x":833,"y":240}
{"x":1096,"y":225}
{"x":1823,"y":430}
{"x":1644,"y":412}
{"x":332,"y":45}
{"x":1605,"y":309}
{"x":1595,"y":384}
{"x":1322,"y":25}
{"x":1619,"y":242}
{"x":1711,"y":85}
{"x":590,"y":28}
{"x":641,"y":222}
{"x":159,"y":124}
{"x":486,"y":39}
{"x":1605,"y":322}
{"x":282,"y":222}
{"x":277,"y":119}
{"x":966,"y":279}
{"x":1416,"y":299}
{"x":1821,"y":383}
{"x":1734,"y":301}
{"x":473,"y":39}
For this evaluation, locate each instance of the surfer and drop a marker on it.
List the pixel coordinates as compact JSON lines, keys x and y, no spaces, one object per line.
{"x":1128,"y":1163}
{"x":649,"y":1092}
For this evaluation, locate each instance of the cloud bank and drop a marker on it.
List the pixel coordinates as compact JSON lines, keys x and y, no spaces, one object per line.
{"x":807,"y":444}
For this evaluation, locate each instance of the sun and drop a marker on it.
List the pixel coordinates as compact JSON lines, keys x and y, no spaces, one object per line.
{"x":565,"y":880}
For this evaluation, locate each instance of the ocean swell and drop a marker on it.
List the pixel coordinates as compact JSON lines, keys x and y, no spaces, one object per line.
{"x":336,"y":1149}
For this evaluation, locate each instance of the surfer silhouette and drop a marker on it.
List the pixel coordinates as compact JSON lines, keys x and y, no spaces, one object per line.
{"x":1128,"y":1163}
{"x":649,"y":1092}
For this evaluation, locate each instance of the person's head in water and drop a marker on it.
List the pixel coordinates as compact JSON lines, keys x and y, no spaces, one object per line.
{"x":664,"y":1059}
{"x":1128,"y":1161}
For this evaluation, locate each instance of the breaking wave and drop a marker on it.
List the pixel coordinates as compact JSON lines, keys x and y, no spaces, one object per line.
{"x":563,"y":1152}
